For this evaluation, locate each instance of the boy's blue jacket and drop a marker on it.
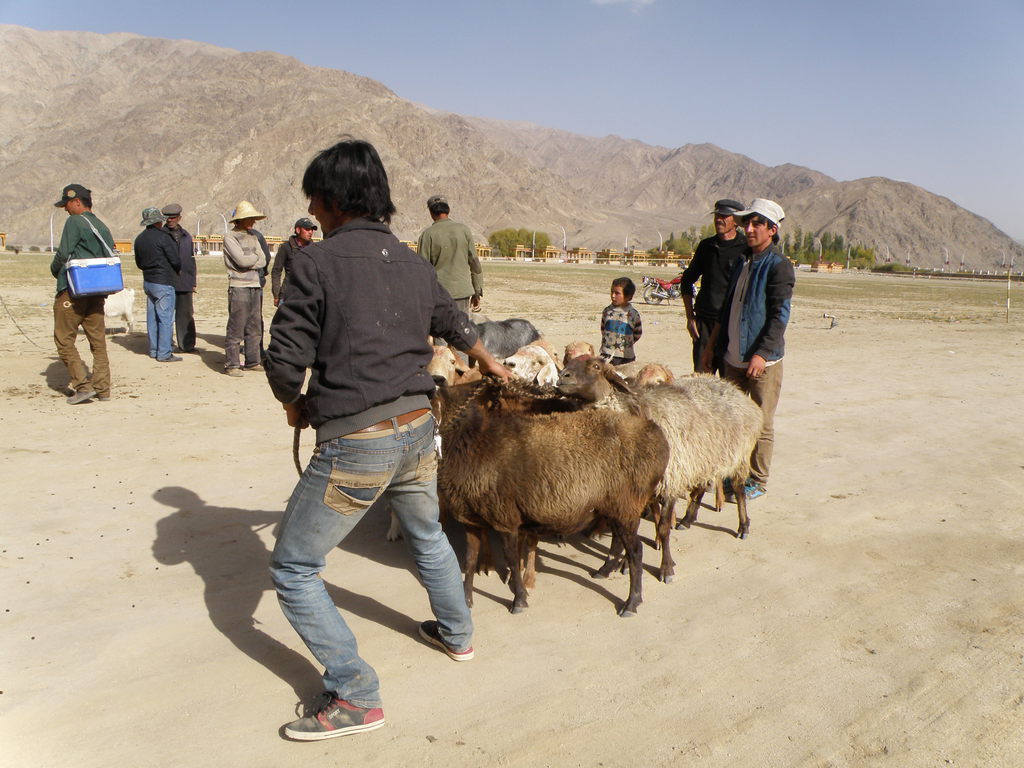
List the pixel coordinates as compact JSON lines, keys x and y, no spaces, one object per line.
{"x":765,"y":308}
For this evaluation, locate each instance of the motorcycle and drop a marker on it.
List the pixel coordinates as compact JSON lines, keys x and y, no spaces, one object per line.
{"x":656,"y":291}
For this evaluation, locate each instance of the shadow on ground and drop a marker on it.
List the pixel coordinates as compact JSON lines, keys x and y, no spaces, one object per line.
{"x":224,"y":549}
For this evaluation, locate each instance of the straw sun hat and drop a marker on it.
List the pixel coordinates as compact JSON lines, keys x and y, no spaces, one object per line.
{"x":246,"y":210}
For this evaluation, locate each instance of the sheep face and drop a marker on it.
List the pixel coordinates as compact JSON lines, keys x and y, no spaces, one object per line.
{"x":533,"y":363}
{"x":590,"y":379}
{"x":576,"y":349}
{"x":446,"y":367}
{"x":652,"y":374}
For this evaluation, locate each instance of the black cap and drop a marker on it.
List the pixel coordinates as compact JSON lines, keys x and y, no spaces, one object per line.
{"x":727,"y":207}
{"x":70,"y":192}
{"x":305,"y":223}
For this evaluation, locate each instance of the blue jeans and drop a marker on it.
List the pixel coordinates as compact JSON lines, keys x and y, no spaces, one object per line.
{"x":159,"y":318}
{"x":346,"y":478}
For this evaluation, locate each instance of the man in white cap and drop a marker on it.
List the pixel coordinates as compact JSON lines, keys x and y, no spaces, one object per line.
{"x":750,"y":333}
{"x":246,"y":262}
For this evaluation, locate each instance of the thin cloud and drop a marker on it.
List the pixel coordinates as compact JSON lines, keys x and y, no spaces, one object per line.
{"x":634,"y":5}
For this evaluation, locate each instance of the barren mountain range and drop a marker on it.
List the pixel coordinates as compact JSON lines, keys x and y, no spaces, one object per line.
{"x":145,"y":121}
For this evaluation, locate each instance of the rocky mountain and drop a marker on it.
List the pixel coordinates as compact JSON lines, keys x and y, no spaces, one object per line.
{"x":145,"y":121}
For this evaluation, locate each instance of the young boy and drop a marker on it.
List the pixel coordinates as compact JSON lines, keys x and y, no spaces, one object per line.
{"x":620,"y":324}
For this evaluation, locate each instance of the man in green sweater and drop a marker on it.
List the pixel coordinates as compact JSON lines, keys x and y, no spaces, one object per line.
{"x":80,"y":240}
{"x":449,"y":247}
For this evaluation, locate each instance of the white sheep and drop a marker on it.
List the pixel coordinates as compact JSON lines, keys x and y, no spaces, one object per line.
{"x":710,"y":424}
{"x":120,"y":306}
{"x":533,"y":363}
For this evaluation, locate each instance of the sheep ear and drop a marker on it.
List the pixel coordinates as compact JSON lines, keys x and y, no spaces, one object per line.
{"x":617,"y":382}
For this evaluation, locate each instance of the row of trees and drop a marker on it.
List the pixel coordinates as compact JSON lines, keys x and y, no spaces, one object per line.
{"x":796,"y":244}
{"x":804,"y":247}
{"x":506,"y":240}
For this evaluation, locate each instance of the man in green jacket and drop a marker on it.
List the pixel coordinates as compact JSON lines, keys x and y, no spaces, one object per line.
{"x":449,"y":247}
{"x":80,"y":240}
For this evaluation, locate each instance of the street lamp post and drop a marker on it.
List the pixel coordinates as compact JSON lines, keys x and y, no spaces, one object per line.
{"x":225,"y":220}
{"x":563,"y":241}
{"x":51,"y":230}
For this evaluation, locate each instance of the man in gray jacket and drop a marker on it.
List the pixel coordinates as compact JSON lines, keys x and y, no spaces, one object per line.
{"x":246,"y":262}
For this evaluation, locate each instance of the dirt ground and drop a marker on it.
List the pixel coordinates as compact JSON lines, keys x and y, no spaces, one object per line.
{"x":872,"y":618}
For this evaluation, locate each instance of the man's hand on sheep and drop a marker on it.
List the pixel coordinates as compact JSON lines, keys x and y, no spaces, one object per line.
{"x":487,"y":363}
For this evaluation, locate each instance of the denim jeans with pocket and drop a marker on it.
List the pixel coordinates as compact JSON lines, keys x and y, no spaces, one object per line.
{"x":159,"y":318}
{"x":346,"y":478}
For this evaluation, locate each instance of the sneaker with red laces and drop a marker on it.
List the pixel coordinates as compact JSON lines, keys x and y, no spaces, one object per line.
{"x":430,"y":633}
{"x":334,"y":717}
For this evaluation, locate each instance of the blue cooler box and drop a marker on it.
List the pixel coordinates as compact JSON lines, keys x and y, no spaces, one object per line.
{"x":91,"y":277}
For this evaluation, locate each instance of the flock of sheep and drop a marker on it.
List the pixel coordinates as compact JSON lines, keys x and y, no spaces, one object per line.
{"x":573,"y":445}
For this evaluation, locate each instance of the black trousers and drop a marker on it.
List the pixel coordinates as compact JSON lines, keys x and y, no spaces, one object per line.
{"x":184,"y":322}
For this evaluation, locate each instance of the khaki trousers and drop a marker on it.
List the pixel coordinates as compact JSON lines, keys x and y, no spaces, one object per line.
{"x":87,"y":312}
{"x":764,"y":391}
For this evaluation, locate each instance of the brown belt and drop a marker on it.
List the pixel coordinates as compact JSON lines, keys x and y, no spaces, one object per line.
{"x":415,"y":418}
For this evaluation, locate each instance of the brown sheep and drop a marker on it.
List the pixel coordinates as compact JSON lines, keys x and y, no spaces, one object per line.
{"x":520,"y":474}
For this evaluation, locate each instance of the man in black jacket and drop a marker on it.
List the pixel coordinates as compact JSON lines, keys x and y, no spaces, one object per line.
{"x":303,"y":236}
{"x":156,"y":254}
{"x":185,"y":284}
{"x":712,"y":263}
{"x":357,"y":313}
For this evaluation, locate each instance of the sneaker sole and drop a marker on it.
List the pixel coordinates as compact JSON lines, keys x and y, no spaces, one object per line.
{"x":321,"y":735}
{"x":464,"y":656}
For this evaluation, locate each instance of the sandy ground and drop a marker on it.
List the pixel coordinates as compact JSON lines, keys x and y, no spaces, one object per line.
{"x":873,"y":617}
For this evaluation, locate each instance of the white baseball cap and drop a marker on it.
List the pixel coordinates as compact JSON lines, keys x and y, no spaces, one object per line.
{"x":769,"y":209}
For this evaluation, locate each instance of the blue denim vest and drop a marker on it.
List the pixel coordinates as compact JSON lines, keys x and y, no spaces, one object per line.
{"x":754,"y":319}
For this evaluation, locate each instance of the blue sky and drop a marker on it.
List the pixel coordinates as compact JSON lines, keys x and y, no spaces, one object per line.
{"x":930,"y":92}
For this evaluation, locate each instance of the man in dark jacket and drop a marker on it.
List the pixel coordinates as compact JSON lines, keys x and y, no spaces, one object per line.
{"x":712,"y":263}
{"x":185,"y":284}
{"x":302,"y":236}
{"x":357,"y":314}
{"x":156,"y":254}
{"x":750,"y":333}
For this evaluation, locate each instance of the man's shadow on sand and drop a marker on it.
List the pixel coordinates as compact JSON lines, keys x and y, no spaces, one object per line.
{"x":223,"y":547}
